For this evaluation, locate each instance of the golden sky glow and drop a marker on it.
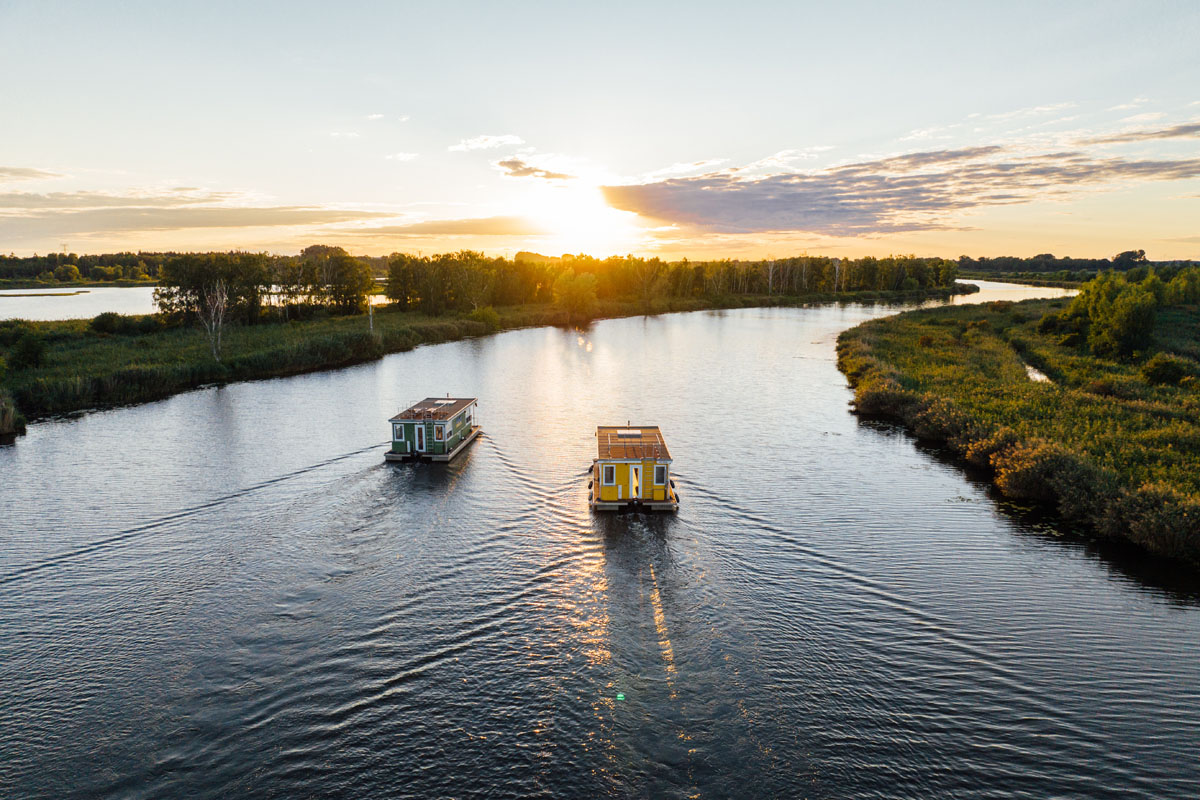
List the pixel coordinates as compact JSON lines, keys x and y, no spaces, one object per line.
{"x":233,"y":127}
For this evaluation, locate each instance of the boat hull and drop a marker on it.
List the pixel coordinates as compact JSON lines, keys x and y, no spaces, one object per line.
{"x":470,"y":437}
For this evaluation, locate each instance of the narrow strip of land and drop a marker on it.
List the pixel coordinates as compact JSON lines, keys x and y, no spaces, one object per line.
{"x":1111,"y":440}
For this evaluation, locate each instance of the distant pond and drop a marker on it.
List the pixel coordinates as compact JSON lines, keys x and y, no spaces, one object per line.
{"x":84,"y":302}
{"x":75,"y":302}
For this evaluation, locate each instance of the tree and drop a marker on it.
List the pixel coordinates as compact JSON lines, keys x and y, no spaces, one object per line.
{"x":348,"y":282}
{"x":1129,"y":259}
{"x":576,"y":293}
{"x":214,"y":301}
{"x":67,"y":272}
{"x":400,"y":279}
{"x":1124,"y":324}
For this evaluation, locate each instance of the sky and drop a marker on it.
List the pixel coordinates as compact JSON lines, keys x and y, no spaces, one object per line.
{"x":699,"y":130}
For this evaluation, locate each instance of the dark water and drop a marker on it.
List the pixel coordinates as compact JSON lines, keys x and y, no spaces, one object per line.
{"x":229,"y":594}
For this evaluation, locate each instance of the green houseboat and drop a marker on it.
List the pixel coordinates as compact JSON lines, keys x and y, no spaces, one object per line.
{"x":437,"y":428}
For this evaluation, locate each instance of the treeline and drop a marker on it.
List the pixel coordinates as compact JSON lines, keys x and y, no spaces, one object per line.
{"x":1066,"y":268}
{"x":65,"y":267}
{"x":468,"y":280}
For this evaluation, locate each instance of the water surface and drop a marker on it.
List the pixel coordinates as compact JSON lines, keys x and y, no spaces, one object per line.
{"x":229,"y":593}
{"x":82,"y":302}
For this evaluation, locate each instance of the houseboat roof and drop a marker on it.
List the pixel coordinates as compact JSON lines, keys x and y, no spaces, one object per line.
{"x":434,"y":408}
{"x":629,"y":442}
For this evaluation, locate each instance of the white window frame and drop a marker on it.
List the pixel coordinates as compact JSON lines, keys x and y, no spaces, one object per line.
{"x":663,"y":467}
{"x":397,"y":432}
{"x":439,"y":433}
{"x":604,"y":473}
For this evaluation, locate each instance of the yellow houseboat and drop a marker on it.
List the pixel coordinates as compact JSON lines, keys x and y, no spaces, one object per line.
{"x":632,"y":470}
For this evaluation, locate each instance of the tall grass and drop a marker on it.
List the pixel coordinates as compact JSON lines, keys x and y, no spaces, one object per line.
{"x":1100,"y":443}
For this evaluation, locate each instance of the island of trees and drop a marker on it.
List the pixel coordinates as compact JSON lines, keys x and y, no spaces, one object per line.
{"x":1111,"y":440}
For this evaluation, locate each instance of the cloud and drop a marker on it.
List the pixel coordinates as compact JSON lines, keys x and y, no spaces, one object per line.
{"x":516,"y":168}
{"x":684,"y":168}
{"x":16,"y":202}
{"x":25,"y":174}
{"x":125,"y":220}
{"x":374,"y":116}
{"x":486,"y":143}
{"x":1148,"y":116}
{"x":28,"y":216}
{"x":477,"y":226}
{"x":1134,"y":103}
{"x":1030,"y":111}
{"x":401,"y":156}
{"x":344,"y":134}
{"x":910,"y":192}
{"x":1187,"y":130}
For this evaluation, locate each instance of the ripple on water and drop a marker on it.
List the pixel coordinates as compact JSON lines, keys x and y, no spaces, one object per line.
{"x":833,"y":612}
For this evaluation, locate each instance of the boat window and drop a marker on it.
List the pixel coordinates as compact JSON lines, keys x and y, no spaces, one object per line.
{"x":660,"y":474}
{"x":398,"y":433}
{"x":610,"y":475}
{"x":439,"y":433}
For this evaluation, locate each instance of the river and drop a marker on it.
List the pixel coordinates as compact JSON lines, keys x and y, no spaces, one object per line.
{"x":228,"y":593}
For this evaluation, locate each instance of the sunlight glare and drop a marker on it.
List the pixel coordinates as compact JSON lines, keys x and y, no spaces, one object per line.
{"x":579,"y":221}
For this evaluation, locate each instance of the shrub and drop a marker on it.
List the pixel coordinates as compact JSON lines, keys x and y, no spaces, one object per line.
{"x":1101,"y":388}
{"x":981,"y":450}
{"x":1164,"y":368}
{"x":11,"y":420}
{"x":108,"y":322}
{"x":1023,"y":471}
{"x":488,"y":316}
{"x":29,"y":351}
{"x":1158,"y":518}
{"x":939,"y":420}
{"x":1073,"y":340}
{"x":11,"y":330}
{"x":150,"y":323}
{"x":883,"y":396}
{"x":925,"y":341}
{"x":1049,"y":323}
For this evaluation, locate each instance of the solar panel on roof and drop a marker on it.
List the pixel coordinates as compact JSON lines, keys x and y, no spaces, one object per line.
{"x":628,"y":432}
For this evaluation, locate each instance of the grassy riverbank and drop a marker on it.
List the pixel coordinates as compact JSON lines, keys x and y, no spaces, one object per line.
{"x":1113,"y":443}
{"x":81,"y":368}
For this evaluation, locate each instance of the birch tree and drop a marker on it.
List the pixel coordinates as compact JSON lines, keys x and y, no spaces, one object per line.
{"x":214,"y":302}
